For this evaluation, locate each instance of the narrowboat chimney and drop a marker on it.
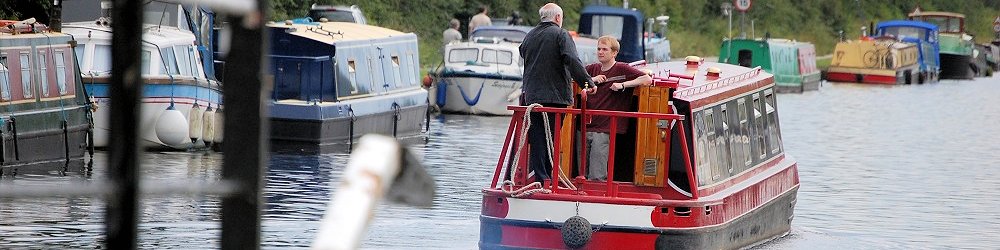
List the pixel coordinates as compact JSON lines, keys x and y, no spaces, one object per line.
{"x":55,"y":20}
{"x":713,"y":73}
{"x":106,"y":9}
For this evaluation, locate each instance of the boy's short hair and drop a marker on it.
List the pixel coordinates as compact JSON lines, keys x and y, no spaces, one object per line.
{"x":610,"y":41}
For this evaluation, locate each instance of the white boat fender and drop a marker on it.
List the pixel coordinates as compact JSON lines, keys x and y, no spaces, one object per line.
{"x":218,"y":125}
{"x":194,"y":122}
{"x":208,"y":130}
{"x":171,"y":127}
{"x":576,"y":232}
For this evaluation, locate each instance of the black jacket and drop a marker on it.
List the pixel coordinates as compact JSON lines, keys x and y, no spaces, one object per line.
{"x":550,"y":61}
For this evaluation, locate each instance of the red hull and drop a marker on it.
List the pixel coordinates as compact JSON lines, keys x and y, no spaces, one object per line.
{"x":861,"y":78}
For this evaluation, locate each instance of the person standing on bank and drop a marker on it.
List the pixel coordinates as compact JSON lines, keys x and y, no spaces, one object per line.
{"x":615,"y":81}
{"x":451,"y":34}
{"x":480,"y":19}
{"x":550,"y":63}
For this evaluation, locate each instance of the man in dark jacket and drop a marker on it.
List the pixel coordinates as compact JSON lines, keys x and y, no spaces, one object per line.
{"x":550,"y":62}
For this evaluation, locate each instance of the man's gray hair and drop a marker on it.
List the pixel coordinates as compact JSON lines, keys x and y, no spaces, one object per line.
{"x":549,"y":11}
{"x":453,"y":23}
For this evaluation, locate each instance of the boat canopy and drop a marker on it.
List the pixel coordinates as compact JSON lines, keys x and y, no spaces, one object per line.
{"x":507,"y":33}
{"x":623,"y":24}
{"x":912,"y":29}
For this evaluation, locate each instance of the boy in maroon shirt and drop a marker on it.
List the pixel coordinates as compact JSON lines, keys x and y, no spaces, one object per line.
{"x":615,"y":81}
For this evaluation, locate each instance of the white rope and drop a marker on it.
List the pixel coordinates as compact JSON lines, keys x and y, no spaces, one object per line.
{"x":508,"y":185}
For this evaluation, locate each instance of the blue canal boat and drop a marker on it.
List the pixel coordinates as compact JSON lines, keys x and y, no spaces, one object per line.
{"x":335,"y":81}
{"x":924,"y":36}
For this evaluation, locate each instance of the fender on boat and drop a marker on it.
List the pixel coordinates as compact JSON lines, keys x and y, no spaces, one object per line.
{"x":171,"y":127}
{"x":218,"y":125}
{"x":194,"y":123}
{"x":208,"y":131}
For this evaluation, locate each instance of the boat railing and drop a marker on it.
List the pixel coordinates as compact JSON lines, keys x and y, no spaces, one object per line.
{"x":516,"y":170}
{"x":718,"y":83}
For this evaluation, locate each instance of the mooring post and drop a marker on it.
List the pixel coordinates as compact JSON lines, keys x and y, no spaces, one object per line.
{"x":126,"y":86}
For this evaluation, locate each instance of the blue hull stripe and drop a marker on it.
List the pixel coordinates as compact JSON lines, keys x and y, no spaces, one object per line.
{"x":102,"y":90}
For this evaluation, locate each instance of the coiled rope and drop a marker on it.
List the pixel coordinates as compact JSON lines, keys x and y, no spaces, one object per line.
{"x":535,"y":187}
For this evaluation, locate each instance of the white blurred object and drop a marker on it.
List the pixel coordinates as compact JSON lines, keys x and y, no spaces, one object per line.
{"x":379,"y":167}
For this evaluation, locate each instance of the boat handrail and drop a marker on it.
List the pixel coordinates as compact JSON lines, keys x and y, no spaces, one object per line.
{"x":507,"y":161}
{"x":694,"y":90}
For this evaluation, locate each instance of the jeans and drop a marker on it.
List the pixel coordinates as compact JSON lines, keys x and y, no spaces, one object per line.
{"x":597,"y":155}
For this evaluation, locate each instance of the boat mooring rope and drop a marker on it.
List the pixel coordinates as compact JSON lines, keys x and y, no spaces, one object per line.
{"x":534,"y":187}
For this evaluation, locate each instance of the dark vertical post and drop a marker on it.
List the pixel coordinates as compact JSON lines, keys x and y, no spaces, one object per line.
{"x":246,"y":146}
{"x":126,"y":84}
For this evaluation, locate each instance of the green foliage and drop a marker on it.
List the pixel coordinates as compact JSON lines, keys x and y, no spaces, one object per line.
{"x":697,"y":27}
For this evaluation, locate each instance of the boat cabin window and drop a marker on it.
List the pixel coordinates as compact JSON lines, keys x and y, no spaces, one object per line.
{"x":395,"y":69}
{"x":725,"y":155}
{"x":607,"y":26}
{"x":745,"y":58}
{"x":193,"y":59}
{"x":945,"y":24}
{"x":169,"y":61}
{"x":4,"y":81}
{"x":146,"y":55}
{"x":772,"y":122}
{"x":463,"y":55}
{"x":80,"y":48}
{"x":744,"y":134}
{"x":26,"y":75}
{"x":101,"y":64}
{"x":904,"y":32}
{"x":43,"y":73}
{"x":498,"y":57}
{"x":758,"y":133}
{"x":413,"y":70}
{"x":60,"y":61}
{"x":352,"y":70}
{"x":183,"y":61}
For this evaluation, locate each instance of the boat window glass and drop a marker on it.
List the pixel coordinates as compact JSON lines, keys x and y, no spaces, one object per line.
{"x":744,"y":133}
{"x":169,"y":61}
{"x":410,"y":65}
{"x":26,"y":75}
{"x":80,"y":48}
{"x":102,"y":60}
{"x":772,"y":124}
{"x":463,"y":55}
{"x":193,"y":57}
{"x":395,"y":70}
{"x":498,"y":57}
{"x":710,"y":156}
{"x":507,"y":35}
{"x":146,"y":54}
{"x":4,"y":82}
{"x":699,"y":129}
{"x":758,"y":135}
{"x":43,"y":72}
{"x":183,"y":61}
{"x":60,"y":60}
{"x":905,"y":32}
{"x":607,"y":26}
{"x":353,"y":71}
{"x":725,"y":154}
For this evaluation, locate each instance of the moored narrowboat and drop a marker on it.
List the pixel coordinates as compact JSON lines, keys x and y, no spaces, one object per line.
{"x":44,"y":117}
{"x":335,"y":81}
{"x":708,"y":171}
{"x":792,"y":63}
{"x":900,"y":52}
{"x":956,"y":47}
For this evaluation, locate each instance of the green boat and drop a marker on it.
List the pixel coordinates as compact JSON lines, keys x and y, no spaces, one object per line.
{"x":792,"y":63}
{"x":956,"y":45}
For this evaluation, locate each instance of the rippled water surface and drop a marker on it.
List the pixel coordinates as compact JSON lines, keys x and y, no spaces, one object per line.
{"x":898,"y":167}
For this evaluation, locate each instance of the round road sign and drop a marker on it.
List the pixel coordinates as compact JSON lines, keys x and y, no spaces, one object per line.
{"x":741,"y":5}
{"x":996,"y":28}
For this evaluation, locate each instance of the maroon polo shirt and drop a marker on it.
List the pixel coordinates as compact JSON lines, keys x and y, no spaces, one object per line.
{"x":608,"y":99}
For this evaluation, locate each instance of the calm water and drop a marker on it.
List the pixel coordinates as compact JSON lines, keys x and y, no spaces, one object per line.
{"x":897,"y":167}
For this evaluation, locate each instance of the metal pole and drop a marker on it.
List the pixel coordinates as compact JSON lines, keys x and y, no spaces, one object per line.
{"x":729,"y":52}
{"x":126,"y":86}
{"x":246,"y":146}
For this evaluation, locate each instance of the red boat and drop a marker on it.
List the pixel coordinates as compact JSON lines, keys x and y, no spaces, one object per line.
{"x":701,"y":166}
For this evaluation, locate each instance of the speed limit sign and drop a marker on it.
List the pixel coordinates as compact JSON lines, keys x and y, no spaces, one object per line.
{"x":742,"y":5}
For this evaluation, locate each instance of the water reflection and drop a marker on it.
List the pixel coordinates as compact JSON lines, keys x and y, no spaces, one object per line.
{"x":881,"y":167}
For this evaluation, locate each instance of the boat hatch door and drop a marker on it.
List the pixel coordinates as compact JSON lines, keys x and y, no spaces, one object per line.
{"x":745,"y":58}
{"x":289,"y":80}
